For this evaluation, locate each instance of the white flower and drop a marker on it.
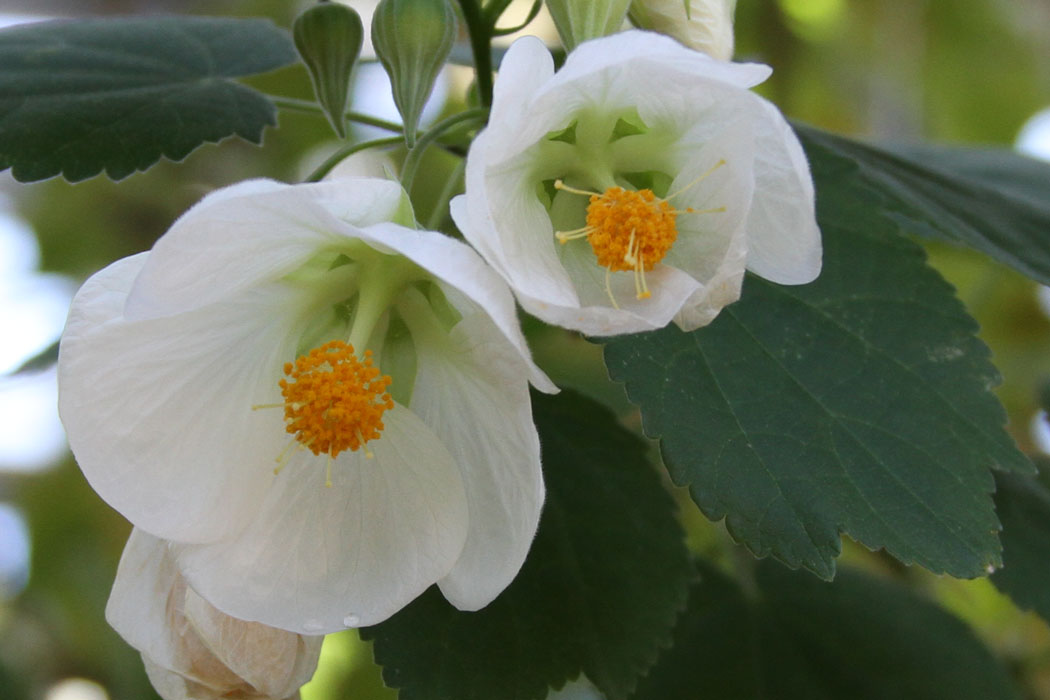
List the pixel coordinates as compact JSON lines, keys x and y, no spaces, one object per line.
{"x":168,"y":385}
{"x":190,"y":649}
{"x":727,"y":184}
{"x":704,"y":25}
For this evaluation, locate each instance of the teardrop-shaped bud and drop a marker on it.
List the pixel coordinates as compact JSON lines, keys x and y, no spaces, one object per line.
{"x":580,"y":20}
{"x":328,"y":36}
{"x":704,"y":25}
{"x":412,"y":39}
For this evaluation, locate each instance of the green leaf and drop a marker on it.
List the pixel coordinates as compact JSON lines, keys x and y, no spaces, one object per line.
{"x":993,"y":201}
{"x":599,"y":593}
{"x":77,"y":97}
{"x":858,"y":404}
{"x":797,"y":638}
{"x":1023,"y":504}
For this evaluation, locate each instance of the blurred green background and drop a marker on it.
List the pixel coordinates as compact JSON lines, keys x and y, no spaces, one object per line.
{"x":958,"y":71}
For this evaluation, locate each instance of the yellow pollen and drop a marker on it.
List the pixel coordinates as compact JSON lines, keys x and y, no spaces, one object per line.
{"x":333,"y":401}
{"x":630,"y":230}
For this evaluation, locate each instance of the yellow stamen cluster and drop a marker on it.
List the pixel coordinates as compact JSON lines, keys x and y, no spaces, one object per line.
{"x":628,"y":230}
{"x":332,"y":400}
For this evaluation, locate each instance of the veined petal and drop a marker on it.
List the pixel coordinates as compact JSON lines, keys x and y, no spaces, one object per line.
{"x":525,"y":67}
{"x":274,"y":662}
{"x":459,"y":266}
{"x":784,"y":240}
{"x":190,"y":649}
{"x":469,"y":390}
{"x":159,"y":412}
{"x":636,"y":46}
{"x":596,"y":315}
{"x":716,"y":180}
{"x":138,"y":603}
{"x":513,"y":231}
{"x":235,"y":238}
{"x":316,"y":559}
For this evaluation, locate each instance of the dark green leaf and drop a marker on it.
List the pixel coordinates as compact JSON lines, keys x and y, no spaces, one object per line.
{"x":993,"y":201}
{"x":1023,"y":504}
{"x":600,"y":591}
{"x":798,"y":638}
{"x":77,"y":97}
{"x":855,"y":404}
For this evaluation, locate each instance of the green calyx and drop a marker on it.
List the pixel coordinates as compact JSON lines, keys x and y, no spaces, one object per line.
{"x":580,"y":20}
{"x":328,"y":37}
{"x":412,"y":39}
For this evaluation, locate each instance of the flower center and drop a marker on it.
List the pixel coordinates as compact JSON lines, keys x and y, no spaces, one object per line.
{"x":332,"y":400}
{"x":628,"y":230}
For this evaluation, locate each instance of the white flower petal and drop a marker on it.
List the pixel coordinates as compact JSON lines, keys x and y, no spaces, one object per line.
{"x":784,"y":240}
{"x":159,"y":412}
{"x":316,"y":560}
{"x":513,"y":231}
{"x":190,"y":649}
{"x":525,"y":67}
{"x":660,"y":52}
{"x":697,"y":111}
{"x":459,"y":266}
{"x":235,"y":238}
{"x":596,"y":315}
{"x":138,"y":604}
{"x":469,"y":391}
{"x":359,"y":201}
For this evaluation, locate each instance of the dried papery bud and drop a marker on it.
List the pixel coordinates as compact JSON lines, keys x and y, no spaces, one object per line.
{"x":704,"y":25}
{"x":328,"y":37}
{"x":580,"y":20}
{"x":412,"y":39}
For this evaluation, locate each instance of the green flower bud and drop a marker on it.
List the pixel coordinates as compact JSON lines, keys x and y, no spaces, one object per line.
{"x":328,"y":36}
{"x":580,"y":20}
{"x":412,"y":39}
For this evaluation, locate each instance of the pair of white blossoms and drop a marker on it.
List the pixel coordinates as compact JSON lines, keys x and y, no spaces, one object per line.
{"x":223,"y":391}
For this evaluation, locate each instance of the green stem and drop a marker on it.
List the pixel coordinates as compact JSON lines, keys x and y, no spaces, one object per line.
{"x":411,"y":164}
{"x":296,"y":105}
{"x":480,"y":28}
{"x":437,"y":217}
{"x":347,"y":151}
{"x":533,"y":12}
{"x":359,"y":118}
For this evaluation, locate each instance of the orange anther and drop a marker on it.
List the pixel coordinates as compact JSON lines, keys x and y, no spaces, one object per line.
{"x":334,"y":401}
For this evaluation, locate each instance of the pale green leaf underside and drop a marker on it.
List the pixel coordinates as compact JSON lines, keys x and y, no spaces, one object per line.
{"x":79,"y":97}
